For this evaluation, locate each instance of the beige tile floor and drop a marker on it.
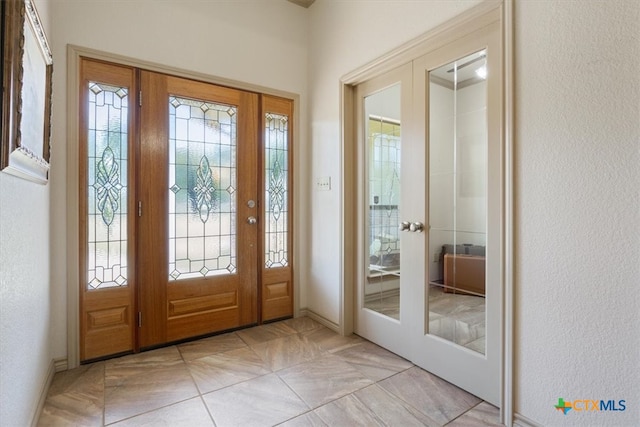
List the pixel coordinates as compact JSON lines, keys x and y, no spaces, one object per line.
{"x":291,"y":373}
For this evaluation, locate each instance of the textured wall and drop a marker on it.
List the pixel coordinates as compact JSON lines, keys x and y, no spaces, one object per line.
{"x":578,"y":208}
{"x":25,"y":345}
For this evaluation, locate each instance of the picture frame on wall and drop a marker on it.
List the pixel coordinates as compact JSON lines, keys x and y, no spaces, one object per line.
{"x":27,"y":67}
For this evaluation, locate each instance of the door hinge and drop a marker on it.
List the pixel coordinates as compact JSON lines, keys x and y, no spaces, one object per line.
{"x":140,"y":98}
{"x":139,"y":208}
{"x":139,"y":319}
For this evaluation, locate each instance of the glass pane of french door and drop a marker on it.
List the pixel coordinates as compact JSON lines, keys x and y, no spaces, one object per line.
{"x":458,"y":200}
{"x":382,"y":133}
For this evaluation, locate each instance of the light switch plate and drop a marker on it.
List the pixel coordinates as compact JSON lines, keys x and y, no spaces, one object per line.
{"x":323,"y":183}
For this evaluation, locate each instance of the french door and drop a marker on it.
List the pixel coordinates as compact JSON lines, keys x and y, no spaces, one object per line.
{"x":429,"y":141}
{"x":187,"y":219}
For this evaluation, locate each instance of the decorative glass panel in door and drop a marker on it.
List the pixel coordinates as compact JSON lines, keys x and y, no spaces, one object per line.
{"x":202,"y":188}
{"x":276,"y":280}
{"x":107,"y":285}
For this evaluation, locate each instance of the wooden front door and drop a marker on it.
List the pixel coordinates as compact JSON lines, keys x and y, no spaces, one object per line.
{"x":185,"y":209}
{"x":197,"y":224}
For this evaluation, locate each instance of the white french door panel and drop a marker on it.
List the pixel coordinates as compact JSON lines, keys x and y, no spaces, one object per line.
{"x":469,"y":369}
{"x":384,"y":103}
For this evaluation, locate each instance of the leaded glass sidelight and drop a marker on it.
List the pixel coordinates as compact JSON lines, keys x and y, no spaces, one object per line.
{"x":202,"y":188}
{"x":107,"y":186}
{"x":276,"y":142}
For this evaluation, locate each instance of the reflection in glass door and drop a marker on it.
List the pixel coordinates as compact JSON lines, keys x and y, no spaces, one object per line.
{"x":382,"y":122}
{"x":458,"y":200}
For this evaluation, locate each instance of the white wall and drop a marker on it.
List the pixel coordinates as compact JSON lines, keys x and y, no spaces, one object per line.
{"x":578,"y":208}
{"x":253,"y":41}
{"x":577,"y":186}
{"x":25,"y":343}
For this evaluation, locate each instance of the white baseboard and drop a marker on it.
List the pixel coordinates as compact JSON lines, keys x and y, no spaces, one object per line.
{"x":522,"y":421}
{"x":320,"y":319}
{"x":61,"y":364}
{"x":43,"y":393}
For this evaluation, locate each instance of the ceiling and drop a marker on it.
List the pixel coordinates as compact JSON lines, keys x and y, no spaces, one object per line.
{"x":303,"y":3}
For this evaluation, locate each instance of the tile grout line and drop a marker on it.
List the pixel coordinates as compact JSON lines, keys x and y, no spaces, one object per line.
{"x":206,"y":407}
{"x":468,"y":410}
{"x":313,"y":409}
{"x":154,"y":409}
{"x":250,"y":347}
{"x":149,"y":411}
{"x":399,"y":397}
{"x":374,"y":383}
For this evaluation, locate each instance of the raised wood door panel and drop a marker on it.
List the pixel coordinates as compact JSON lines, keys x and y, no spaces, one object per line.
{"x":107,"y":187}
{"x":198,"y":170}
{"x":276,"y":225}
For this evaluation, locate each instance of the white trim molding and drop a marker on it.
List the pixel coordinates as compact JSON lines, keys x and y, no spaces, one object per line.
{"x":507,"y":411}
{"x":522,"y":421}
{"x":51,"y":372}
{"x":320,"y":319}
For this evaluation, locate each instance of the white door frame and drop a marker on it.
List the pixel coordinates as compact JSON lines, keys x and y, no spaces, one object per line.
{"x":465,"y":23}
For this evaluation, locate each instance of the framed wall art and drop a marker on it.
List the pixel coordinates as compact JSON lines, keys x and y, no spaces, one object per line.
{"x":27,"y":67}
